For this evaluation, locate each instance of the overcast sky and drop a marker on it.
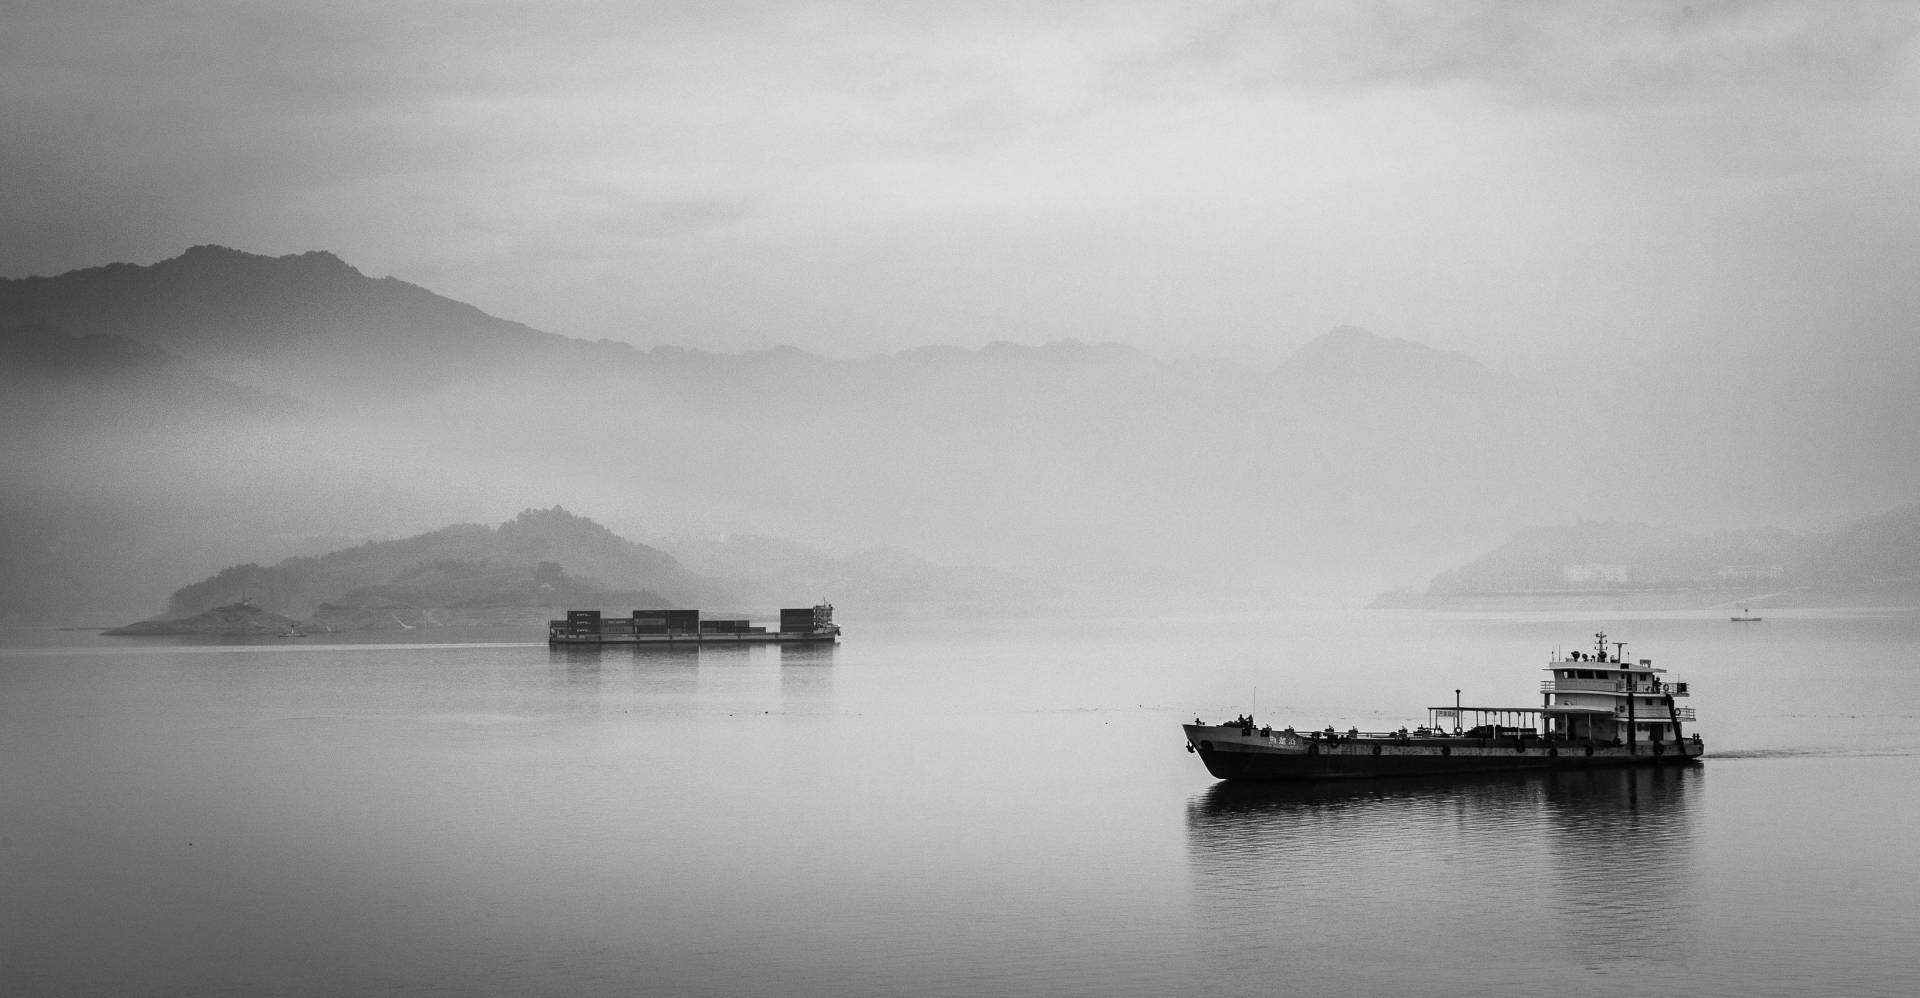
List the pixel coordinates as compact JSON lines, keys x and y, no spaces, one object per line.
{"x":1538,"y":184}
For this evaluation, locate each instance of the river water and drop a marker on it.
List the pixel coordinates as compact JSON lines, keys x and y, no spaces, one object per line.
{"x":942,"y":809}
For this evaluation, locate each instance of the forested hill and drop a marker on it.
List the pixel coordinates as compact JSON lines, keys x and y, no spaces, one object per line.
{"x":541,"y":558}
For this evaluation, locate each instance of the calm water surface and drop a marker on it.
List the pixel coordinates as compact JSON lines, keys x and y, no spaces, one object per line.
{"x":941,"y":810}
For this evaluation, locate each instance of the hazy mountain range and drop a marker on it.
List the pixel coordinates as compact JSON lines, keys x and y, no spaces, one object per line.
{"x":167,"y":422}
{"x":1874,"y":562}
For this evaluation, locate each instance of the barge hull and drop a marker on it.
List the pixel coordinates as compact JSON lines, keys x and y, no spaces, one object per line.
{"x":690,"y":639}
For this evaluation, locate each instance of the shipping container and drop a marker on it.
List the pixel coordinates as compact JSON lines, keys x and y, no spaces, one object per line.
{"x":667,"y":626}
{"x":673,"y":620}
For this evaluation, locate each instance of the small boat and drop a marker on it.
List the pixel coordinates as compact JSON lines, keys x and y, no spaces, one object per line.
{"x":293,"y":632}
{"x":1598,"y":709}
{"x":1746,"y":617}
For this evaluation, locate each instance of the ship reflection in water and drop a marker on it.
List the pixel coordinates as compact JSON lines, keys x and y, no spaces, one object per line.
{"x":664,"y":679}
{"x":1392,"y":884}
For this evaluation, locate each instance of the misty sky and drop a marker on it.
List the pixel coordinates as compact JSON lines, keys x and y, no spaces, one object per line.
{"x":1537,"y":184}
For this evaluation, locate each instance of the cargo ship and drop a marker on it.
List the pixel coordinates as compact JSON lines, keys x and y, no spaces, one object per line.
{"x":1598,"y":709}
{"x":590,"y":627}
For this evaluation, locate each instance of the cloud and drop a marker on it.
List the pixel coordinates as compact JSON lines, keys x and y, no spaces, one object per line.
{"x":864,"y":176}
{"x":1562,"y":53}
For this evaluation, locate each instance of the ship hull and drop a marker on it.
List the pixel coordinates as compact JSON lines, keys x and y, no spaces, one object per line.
{"x":1231,"y":753}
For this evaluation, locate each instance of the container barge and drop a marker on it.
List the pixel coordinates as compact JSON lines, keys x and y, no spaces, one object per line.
{"x":1598,"y":709}
{"x":590,"y":627}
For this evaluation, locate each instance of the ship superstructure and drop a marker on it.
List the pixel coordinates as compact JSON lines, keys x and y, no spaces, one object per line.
{"x":1606,"y":698}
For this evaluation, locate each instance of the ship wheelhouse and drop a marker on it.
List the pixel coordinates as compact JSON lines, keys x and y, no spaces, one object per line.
{"x":1605,"y":697}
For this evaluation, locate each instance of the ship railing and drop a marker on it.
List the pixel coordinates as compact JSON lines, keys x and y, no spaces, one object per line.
{"x":1589,"y":686}
{"x":1610,"y":686}
{"x":1654,"y":715}
{"x":1354,"y":734}
{"x":1579,"y":685}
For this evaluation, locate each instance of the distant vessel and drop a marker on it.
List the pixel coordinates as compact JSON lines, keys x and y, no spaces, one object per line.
{"x":293,"y":632}
{"x":1745,"y":617}
{"x":1597,"y":710}
{"x":589,"y":627}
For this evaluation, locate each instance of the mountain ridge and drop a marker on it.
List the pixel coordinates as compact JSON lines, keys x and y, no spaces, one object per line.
{"x":1359,"y":460}
{"x":245,"y":317}
{"x":1872,"y":561}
